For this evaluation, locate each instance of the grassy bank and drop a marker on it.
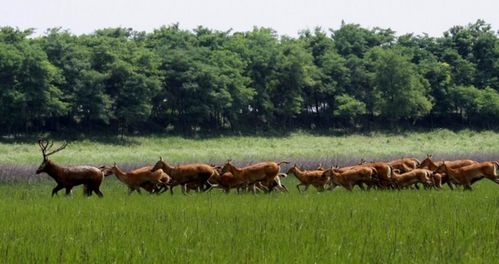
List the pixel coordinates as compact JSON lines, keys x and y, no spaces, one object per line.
{"x":359,"y":227}
{"x":295,"y":146}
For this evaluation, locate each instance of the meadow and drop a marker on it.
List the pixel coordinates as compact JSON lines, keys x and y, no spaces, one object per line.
{"x":376,"y":227}
{"x":295,"y":146}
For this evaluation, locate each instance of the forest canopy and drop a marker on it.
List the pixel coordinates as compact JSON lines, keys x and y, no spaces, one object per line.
{"x":172,"y":79}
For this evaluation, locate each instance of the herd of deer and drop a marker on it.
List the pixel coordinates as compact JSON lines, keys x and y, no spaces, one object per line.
{"x":397,"y":174}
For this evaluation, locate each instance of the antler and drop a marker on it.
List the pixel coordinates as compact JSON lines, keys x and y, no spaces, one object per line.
{"x":43,"y":145}
{"x":46,"y":145}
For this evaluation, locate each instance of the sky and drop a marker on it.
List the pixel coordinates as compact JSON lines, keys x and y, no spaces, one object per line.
{"x":286,"y":17}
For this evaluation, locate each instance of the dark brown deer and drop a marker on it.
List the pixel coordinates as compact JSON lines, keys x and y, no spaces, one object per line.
{"x":68,"y":177}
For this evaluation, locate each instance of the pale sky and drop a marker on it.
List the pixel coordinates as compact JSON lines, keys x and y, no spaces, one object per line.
{"x":287,"y":17}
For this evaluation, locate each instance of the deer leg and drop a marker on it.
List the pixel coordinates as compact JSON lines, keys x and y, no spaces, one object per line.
{"x":98,"y":192}
{"x":130,"y":190}
{"x":56,"y":189}
{"x":68,"y":191}
{"x":184,"y":189}
{"x":467,"y":184}
{"x":253,"y":186}
{"x":209,"y":188}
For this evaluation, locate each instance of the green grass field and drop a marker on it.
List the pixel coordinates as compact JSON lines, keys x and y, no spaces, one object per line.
{"x":361,"y":227}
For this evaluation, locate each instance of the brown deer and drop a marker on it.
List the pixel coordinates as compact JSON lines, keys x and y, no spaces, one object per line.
{"x":275,"y":184}
{"x":409,"y":178}
{"x":68,"y":177}
{"x":227,"y":181}
{"x":151,"y":181}
{"x":467,"y":175}
{"x":384,"y":173}
{"x":307,"y":178}
{"x":440,"y":177}
{"x":405,"y":164}
{"x":196,"y":174}
{"x":349,"y":178}
{"x":383,"y":170}
{"x":428,"y":163}
{"x":264,"y":172}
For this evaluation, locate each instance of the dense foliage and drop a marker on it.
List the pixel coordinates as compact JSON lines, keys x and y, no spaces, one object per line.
{"x":120,"y":80}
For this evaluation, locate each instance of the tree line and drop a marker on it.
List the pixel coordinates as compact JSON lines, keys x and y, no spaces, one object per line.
{"x":119,"y":80}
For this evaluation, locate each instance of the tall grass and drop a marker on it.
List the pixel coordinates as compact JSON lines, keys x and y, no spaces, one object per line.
{"x":296,"y":146}
{"x":359,"y":227}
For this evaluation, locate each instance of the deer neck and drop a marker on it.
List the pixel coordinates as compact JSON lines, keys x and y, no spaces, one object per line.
{"x":168,"y":168}
{"x":53,"y":170}
{"x":119,"y":174}
{"x":432,"y":165}
{"x":298,"y":173}
{"x":450,"y":171}
{"x":237,"y":170}
{"x":234,"y":170}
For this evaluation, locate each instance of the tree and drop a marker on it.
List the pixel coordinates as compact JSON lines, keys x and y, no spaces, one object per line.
{"x":29,"y":94}
{"x":400,"y":90}
{"x":349,"y":107}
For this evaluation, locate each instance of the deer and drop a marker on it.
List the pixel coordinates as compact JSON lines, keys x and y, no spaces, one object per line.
{"x":275,"y":184}
{"x":440,"y":177}
{"x":405,"y":164}
{"x":428,"y":163}
{"x":227,"y":181}
{"x":351,"y":177}
{"x":264,"y":172}
{"x":151,"y":181}
{"x":67,"y":177}
{"x":307,"y":178}
{"x":383,"y":172}
{"x":468,"y":175}
{"x":196,"y":174}
{"x":409,"y":178}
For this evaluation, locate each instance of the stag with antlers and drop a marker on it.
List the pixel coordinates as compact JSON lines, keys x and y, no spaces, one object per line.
{"x":68,"y":177}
